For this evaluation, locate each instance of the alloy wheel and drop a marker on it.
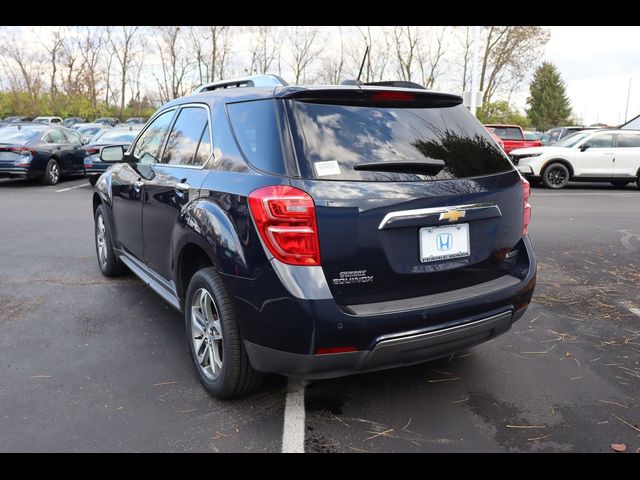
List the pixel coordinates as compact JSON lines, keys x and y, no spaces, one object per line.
{"x":557,"y":176}
{"x":206,"y":334}
{"x":101,"y":241}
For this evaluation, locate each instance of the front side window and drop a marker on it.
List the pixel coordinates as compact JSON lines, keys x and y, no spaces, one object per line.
{"x":191,"y":126}
{"x":604,"y":140}
{"x":148,"y":146}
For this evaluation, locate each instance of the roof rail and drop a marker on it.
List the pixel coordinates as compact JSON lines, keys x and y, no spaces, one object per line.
{"x":266,"y":80}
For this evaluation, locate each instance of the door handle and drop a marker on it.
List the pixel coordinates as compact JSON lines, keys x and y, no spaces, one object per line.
{"x":182,"y":187}
{"x":138,"y":185}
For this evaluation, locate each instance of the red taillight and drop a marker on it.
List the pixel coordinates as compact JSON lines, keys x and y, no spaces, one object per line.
{"x":323,"y":351}
{"x":526,"y":193}
{"x":393,"y":96}
{"x":19,"y":150}
{"x":91,"y":150}
{"x":286,"y":220}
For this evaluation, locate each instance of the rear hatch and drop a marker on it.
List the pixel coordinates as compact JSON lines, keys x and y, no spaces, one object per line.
{"x":412,"y":195}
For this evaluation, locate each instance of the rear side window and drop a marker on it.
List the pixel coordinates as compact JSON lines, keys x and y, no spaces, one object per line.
{"x":55,"y":136}
{"x":256,"y":129}
{"x":333,"y":139}
{"x":185,"y":136}
{"x":628,"y":140}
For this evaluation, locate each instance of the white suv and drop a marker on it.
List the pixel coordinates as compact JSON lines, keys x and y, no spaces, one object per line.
{"x":52,"y":120}
{"x":596,"y":156}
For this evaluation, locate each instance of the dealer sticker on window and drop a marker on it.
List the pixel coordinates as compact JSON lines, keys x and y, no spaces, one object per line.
{"x":324,"y":169}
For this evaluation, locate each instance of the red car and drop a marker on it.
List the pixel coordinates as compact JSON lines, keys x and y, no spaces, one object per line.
{"x":512,"y":136}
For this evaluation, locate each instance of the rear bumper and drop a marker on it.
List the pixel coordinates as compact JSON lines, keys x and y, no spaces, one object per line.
{"x":9,"y":172}
{"x":397,"y":351}
{"x":96,"y":169}
{"x":282,"y":333}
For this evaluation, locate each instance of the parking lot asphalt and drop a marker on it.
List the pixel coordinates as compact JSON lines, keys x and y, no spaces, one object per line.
{"x":95,"y":364}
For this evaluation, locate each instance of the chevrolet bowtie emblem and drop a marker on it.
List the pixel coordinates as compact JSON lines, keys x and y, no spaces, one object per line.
{"x":452,"y":215}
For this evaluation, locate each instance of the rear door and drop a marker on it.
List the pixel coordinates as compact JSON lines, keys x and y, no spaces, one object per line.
{"x":59,"y":147}
{"x":74,"y":150}
{"x":597,"y":159}
{"x":174,"y":183}
{"x":393,"y":234}
{"x":626,"y":155}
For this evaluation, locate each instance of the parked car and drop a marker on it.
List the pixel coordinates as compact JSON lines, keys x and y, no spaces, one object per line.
{"x":601,"y":156}
{"x":528,"y":135}
{"x":37,"y":150}
{"x":135,"y":120}
{"x":496,"y":138}
{"x":90,"y":130}
{"x":512,"y":136}
{"x":52,"y":120}
{"x":17,"y":119}
{"x":556,"y":134}
{"x":318,"y":231}
{"x":122,"y":135}
{"x":71,"y":121}
{"x":107,"y":120}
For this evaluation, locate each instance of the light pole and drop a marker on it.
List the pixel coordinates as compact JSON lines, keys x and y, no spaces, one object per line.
{"x":474,"y":69}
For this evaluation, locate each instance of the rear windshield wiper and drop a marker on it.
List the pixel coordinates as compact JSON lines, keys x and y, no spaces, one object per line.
{"x":428,"y":167}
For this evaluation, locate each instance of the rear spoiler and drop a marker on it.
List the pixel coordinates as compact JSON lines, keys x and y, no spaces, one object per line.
{"x":371,"y":96}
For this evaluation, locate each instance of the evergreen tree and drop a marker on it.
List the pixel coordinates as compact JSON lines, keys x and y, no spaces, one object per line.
{"x":548,"y":103}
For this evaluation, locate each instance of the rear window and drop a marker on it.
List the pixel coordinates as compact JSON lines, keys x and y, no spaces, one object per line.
{"x":332,"y":139}
{"x":17,"y":136}
{"x":508,"y":133}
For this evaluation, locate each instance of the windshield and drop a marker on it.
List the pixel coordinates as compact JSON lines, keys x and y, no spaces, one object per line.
{"x":572,"y":139}
{"x":18,"y":136}
{"x":115,"y":136}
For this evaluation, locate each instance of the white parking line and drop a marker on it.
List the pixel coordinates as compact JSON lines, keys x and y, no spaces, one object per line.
{"x":293,"y":430}
{"x":585,"y":194}
{"x":71,"y":188}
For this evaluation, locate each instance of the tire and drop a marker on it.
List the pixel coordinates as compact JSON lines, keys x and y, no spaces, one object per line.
{"x":51,"y":173}
{"x":224,"y":369}
{"x":620,"y":183}
{"x":110,"y":265}
{"x":638,"y":182}
{"x":93,"y":179}
{"x":556,"y":175}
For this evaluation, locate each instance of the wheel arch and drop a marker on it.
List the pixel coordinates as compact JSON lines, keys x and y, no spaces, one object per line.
{"x":563,"y":161}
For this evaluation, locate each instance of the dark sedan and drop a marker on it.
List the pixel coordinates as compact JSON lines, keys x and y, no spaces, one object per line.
{"x":93,"y":166}
{"x":36,"y":150}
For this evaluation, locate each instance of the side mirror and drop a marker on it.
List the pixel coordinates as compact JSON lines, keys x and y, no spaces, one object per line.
{"x":112,"y":154}
{"x":584,"y":146}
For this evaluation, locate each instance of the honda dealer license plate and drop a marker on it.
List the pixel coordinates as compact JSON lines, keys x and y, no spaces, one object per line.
{"x":444,"y":242}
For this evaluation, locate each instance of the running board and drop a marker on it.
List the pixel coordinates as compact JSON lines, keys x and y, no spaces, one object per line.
{"x":149,"y":277}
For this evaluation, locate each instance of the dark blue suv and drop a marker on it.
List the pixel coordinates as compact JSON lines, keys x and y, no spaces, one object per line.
{"x":318,"y":231}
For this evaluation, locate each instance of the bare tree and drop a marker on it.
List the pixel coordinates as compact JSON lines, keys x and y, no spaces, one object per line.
{"x":53,"y":44}
{"x":23,"y":69}
{"x":304,"y":50}
{"x":467,"y":45}
{"x":377,"y":60}
{"x":212,"y":48}
{"x":91,"y":47}
{"x":509,"y":54}
{"x":405,"y":45}
{"x":124,"y":46}
{"x":429,"y":55}
{"x":176,"y":62}
{"x":332,"y":65}
{"x":264,"y":49}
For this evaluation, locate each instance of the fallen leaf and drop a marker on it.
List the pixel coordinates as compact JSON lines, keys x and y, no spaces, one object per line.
{"x":618,"y":447}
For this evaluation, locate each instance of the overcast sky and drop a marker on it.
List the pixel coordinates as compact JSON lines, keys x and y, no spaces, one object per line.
{"x":597,"y":63}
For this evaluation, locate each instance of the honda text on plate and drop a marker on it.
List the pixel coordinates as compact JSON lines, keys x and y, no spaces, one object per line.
{"x":318,"y":231}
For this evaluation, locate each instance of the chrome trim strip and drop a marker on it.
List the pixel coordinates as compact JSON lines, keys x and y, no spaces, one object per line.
{"x":423,"y":212}
{"x":400,"y":338}
{"x":307,"y":283}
